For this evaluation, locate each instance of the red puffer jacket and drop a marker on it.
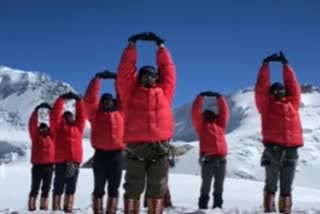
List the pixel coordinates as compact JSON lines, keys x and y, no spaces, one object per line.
{"x":68,"y":139}
{"x":148,"y":115}
{"x":106,"y":127}
{"x":280,"y":119}
{"x":211,"y":135}
{"x":42,"y":148}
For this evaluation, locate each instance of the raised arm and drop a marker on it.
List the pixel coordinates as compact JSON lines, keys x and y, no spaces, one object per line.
{"x":262,"y":87}
{"x":33,"y":125}
{"x":56,"y":114}
{"x":80,"y":115}
{"x":292,"y":85}
{"x":91,"y":98}
{"x":127,"y":72}
{"x":196,"y":110}
{"x":223,"y":112}
{"x":167,"y":72}
{"x":293,"y":90}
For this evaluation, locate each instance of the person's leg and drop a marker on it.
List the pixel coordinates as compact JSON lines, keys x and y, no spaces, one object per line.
{"x":58,"y":185}
{"x":100,"y":179}
{"x":271,"y":183}
{"x":219,"y":176}
{"x":47,"y":171}
{"x":134,"y":185}
{"x":287,"y":174}
{"x":157,"y":183}
{"x":71,"y":185}
{"x":114,"y":180}
{"x":35,"y":186}
{"x":206,"y":179}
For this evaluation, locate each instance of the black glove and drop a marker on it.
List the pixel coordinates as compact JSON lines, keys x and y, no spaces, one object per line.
{"x":139,"y":36}
{"x":154,"y":37}
{"x":106,"y":75}
{"x":200,"y":160}
{"x":210,"y":94}
{"x":172,"y":156}
{"x":273,"y":57}
{"x":71,"y":169}
{"x":282,"y":58}
{"x":43,"y":105}
{"x":71,"y":95}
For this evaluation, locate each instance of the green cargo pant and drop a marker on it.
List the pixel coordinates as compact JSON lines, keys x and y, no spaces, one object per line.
{"x":147,"y":166}
{"x":280,"y":164}
{"x":212,"y":167}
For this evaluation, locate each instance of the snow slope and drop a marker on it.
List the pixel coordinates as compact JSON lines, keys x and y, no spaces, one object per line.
{"x":241,"y":196}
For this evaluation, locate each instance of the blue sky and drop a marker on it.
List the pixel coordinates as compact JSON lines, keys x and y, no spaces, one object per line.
{"x":216,"y":45}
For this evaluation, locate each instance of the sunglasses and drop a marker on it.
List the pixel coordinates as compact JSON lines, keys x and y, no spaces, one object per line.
{"x":281,"y":91}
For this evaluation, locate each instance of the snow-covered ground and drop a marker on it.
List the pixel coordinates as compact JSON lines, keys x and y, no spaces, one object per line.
{"x":241,"y":196}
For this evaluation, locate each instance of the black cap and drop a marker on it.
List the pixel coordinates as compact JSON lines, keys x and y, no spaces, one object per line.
{"x":277,"y":86}
{"x":43,"y":125}
{"x":67,"y":113}
{"x":147,"y":69}
{"x":209,"y":111}
{"x":106,"y":96}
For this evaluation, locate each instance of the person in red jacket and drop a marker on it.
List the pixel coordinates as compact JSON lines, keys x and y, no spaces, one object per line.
{"x":146,"y":97}
{"x":42,"y":159}
{"x":68,"y":149}
{"x":107,"y":127}
{"x":278,"y":106}
{"x":210,"y":127}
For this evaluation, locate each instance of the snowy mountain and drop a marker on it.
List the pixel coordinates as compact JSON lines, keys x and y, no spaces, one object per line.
{"x":20,"y":92}
{"x":244,"y":137}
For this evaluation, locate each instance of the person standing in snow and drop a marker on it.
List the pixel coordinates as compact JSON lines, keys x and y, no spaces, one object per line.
{"x":107,"y":127}
{"x":278,"y":105}
{"x":68,"y":150}
{"x":210,"y":127}
{"x":146,"y":97}
{"x":42,"y":159}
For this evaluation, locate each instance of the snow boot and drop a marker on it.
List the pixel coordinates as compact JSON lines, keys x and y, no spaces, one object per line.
{"x":285,"y":204}
{"x":167,"y":199}
{"x":217,"y":200}
{"x":112,"y":205}
{"x":97,"y":205}
{"x":56,"y":202}
{"x":268,"y":203}
{"x":68,"y":203}
{"x":203,"y":202}
{"x":155,"y":205}
{"x":131,"y":206}
{"x":32,"y":203}
{"x":44,"y":203}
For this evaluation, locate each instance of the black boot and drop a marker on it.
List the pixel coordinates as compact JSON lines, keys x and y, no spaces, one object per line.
{"x":217,"y":200}
{"x":203,"y":202}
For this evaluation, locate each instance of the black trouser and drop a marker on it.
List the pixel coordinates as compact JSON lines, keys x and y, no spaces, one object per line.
{"x":107,"y":167}
{"x":280,"y":164}
{"x":212,"y":167}
{"x":41,"y":173}
{"x":62,"y":183}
